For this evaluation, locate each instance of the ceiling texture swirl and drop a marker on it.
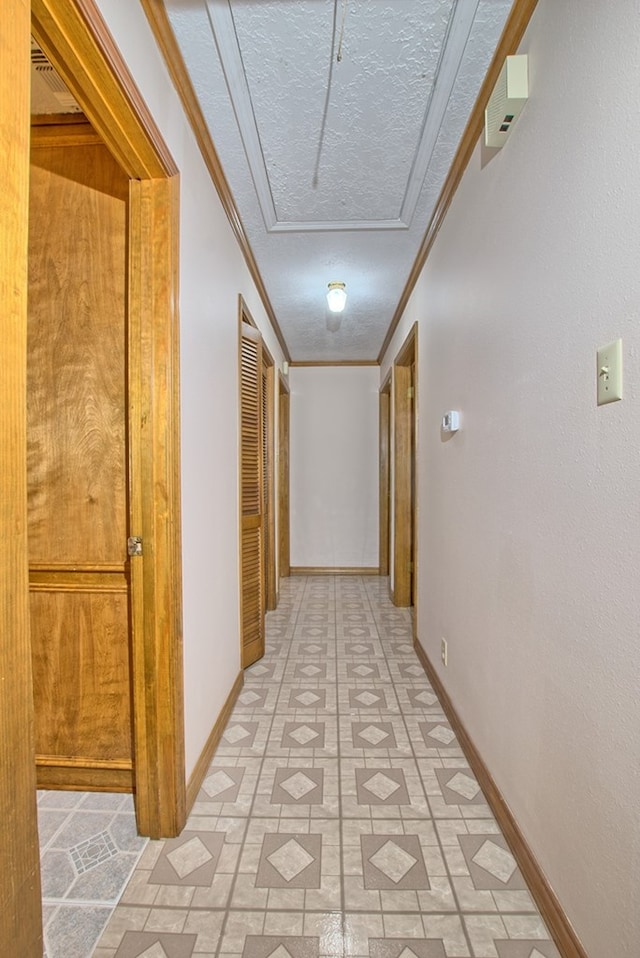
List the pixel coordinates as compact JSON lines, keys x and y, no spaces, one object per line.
{"x":336,"y":123}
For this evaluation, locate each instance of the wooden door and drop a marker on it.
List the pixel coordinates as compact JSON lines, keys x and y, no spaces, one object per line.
{"x":268,"y":481}
{"x":252,"y":601}
{"x":284,"y":560}
{"x":404,"y":473}
{"x":77,"y":467}
{"x":82,"y":51}
{"x":385,"y":478}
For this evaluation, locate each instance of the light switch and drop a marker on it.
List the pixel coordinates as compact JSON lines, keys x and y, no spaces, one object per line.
{"x":610,"y":373}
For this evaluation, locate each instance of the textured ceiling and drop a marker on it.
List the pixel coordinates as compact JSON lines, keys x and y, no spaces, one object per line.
{"x":348,"y":199}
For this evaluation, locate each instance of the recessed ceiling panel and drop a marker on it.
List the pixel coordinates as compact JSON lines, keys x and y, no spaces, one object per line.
{"x":380,"y":90}
{"x":400,"y":98}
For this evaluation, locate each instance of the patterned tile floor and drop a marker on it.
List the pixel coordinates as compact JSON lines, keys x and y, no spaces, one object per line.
{"x":339,"y":817}
{"x":89,"y":847}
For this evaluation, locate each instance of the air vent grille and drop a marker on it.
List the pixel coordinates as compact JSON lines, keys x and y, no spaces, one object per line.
{"x":46,"y":79}
{"x":507,"y":100}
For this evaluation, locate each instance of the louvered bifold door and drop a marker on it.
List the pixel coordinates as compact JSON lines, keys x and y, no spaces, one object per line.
{"x":252,"y":497}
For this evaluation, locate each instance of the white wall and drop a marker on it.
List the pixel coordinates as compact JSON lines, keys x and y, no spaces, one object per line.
{"x":529,"y":533}
{"x":212,"y":274}
{"x":334,"y":466}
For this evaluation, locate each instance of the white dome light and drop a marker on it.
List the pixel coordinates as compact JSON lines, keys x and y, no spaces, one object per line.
{"x":336,"y":297}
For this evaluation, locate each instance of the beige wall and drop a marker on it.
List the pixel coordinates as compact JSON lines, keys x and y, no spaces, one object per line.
{"x":212,"y":274}
{"x":334,"y":466}
{"x":529,"y":532}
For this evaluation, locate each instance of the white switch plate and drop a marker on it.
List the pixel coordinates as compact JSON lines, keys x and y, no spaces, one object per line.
{"x":610,"y":373}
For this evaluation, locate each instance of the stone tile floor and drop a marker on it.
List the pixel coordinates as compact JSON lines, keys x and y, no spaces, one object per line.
{"x":89,"y":847}
{"x":339,"y":817}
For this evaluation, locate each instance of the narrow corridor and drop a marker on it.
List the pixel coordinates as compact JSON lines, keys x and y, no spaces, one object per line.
{"x":339,"y":816}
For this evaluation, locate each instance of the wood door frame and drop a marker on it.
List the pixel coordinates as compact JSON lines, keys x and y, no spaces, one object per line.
{"x":384,"y":443}
{"x":270,"y":570}
{"x":77,"y":41}
{"x":246,"y":326}
{"x":405,"y":544}
{"x":284,"y":532}
{"x":20,"y":895}
{"x":269,"y":527}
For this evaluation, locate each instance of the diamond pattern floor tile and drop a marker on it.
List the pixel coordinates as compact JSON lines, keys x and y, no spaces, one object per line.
{"x":339,"y":816}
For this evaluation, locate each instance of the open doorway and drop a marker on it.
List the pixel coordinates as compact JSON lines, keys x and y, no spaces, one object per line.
{"x":145,"y":579}
{"x":404,"y":418}
{"x":284,"y":558}
{"x":385,"y":474}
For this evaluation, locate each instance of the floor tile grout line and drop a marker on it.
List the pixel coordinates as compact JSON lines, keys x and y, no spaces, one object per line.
{"x":97,"y":903}
{"x":343,"y":909}
{"x":383,"y":645}
{"x":459,"y":909}
{"x":417,"y":763}
{"x":377,"y":605}
{"x":263,"y":757}
{"x":445,"y":861}
{"x":48,"y":846}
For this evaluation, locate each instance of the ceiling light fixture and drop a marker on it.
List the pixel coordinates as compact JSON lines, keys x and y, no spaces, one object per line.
{"x":336,"y":297}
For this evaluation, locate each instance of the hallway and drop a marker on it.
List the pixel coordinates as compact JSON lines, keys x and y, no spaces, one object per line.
{"x":339,"y":816}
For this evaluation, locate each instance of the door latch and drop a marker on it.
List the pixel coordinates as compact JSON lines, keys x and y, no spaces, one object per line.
{"x":134,"y":546}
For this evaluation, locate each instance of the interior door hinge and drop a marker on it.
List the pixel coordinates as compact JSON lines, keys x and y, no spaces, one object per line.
{"x":134,"y":546}
{"x":410,"y":392}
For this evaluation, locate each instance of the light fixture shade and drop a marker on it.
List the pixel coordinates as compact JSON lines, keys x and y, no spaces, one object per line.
{"x":336,"y":297}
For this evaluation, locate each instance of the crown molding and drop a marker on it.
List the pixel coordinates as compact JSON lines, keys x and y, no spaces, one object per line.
{"x":165,"y":38}
{"x":516,"y":24}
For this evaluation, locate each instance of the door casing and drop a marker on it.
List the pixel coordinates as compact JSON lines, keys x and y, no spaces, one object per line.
{"x":251,"y":462}
{"x":20,"y":895}
{"x":269,"y":481}
{"x":385,"y":474}
{"x":404,"y":538}
{"x":284,"y":557}
{"x":76,"y":40}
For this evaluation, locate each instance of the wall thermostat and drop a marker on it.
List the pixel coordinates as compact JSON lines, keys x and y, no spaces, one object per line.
{"x":451,"y":421}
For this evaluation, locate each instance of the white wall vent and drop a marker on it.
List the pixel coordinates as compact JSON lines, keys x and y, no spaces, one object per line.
{"x":49,"y":92}
{"x":507,"y":100}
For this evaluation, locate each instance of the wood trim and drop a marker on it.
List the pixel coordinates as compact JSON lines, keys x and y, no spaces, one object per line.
{"x":206,"y":756}
{"x":71,"y":581}
{"x":20,"y":896}
{"x":165,"y":38}
{"x":404,"y":466}
{"x":53,"y":772}
{"x":78,"y":43}
{"x":58,"y":119}
{"x":251,"y":576}
{"x":47,"y":135}
{"x":551,"y":910}
{"x":86,"y":778}
{"x":516,"y":24}
{"x":283,"y":384}
{"x":334,"y":362}
{"x":270,"y":569}
{"x":155,"y":507}
{"x":337,"y":570}
{"x":284,"y":519}
{"x":402,"y":519}
{"x":76,"y":39}
{"x":244,"y":313}
{"x":81,"y":762}
{"x":407,"y":354}
{"x":99,"y":568}
{"x":384,"y":446}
